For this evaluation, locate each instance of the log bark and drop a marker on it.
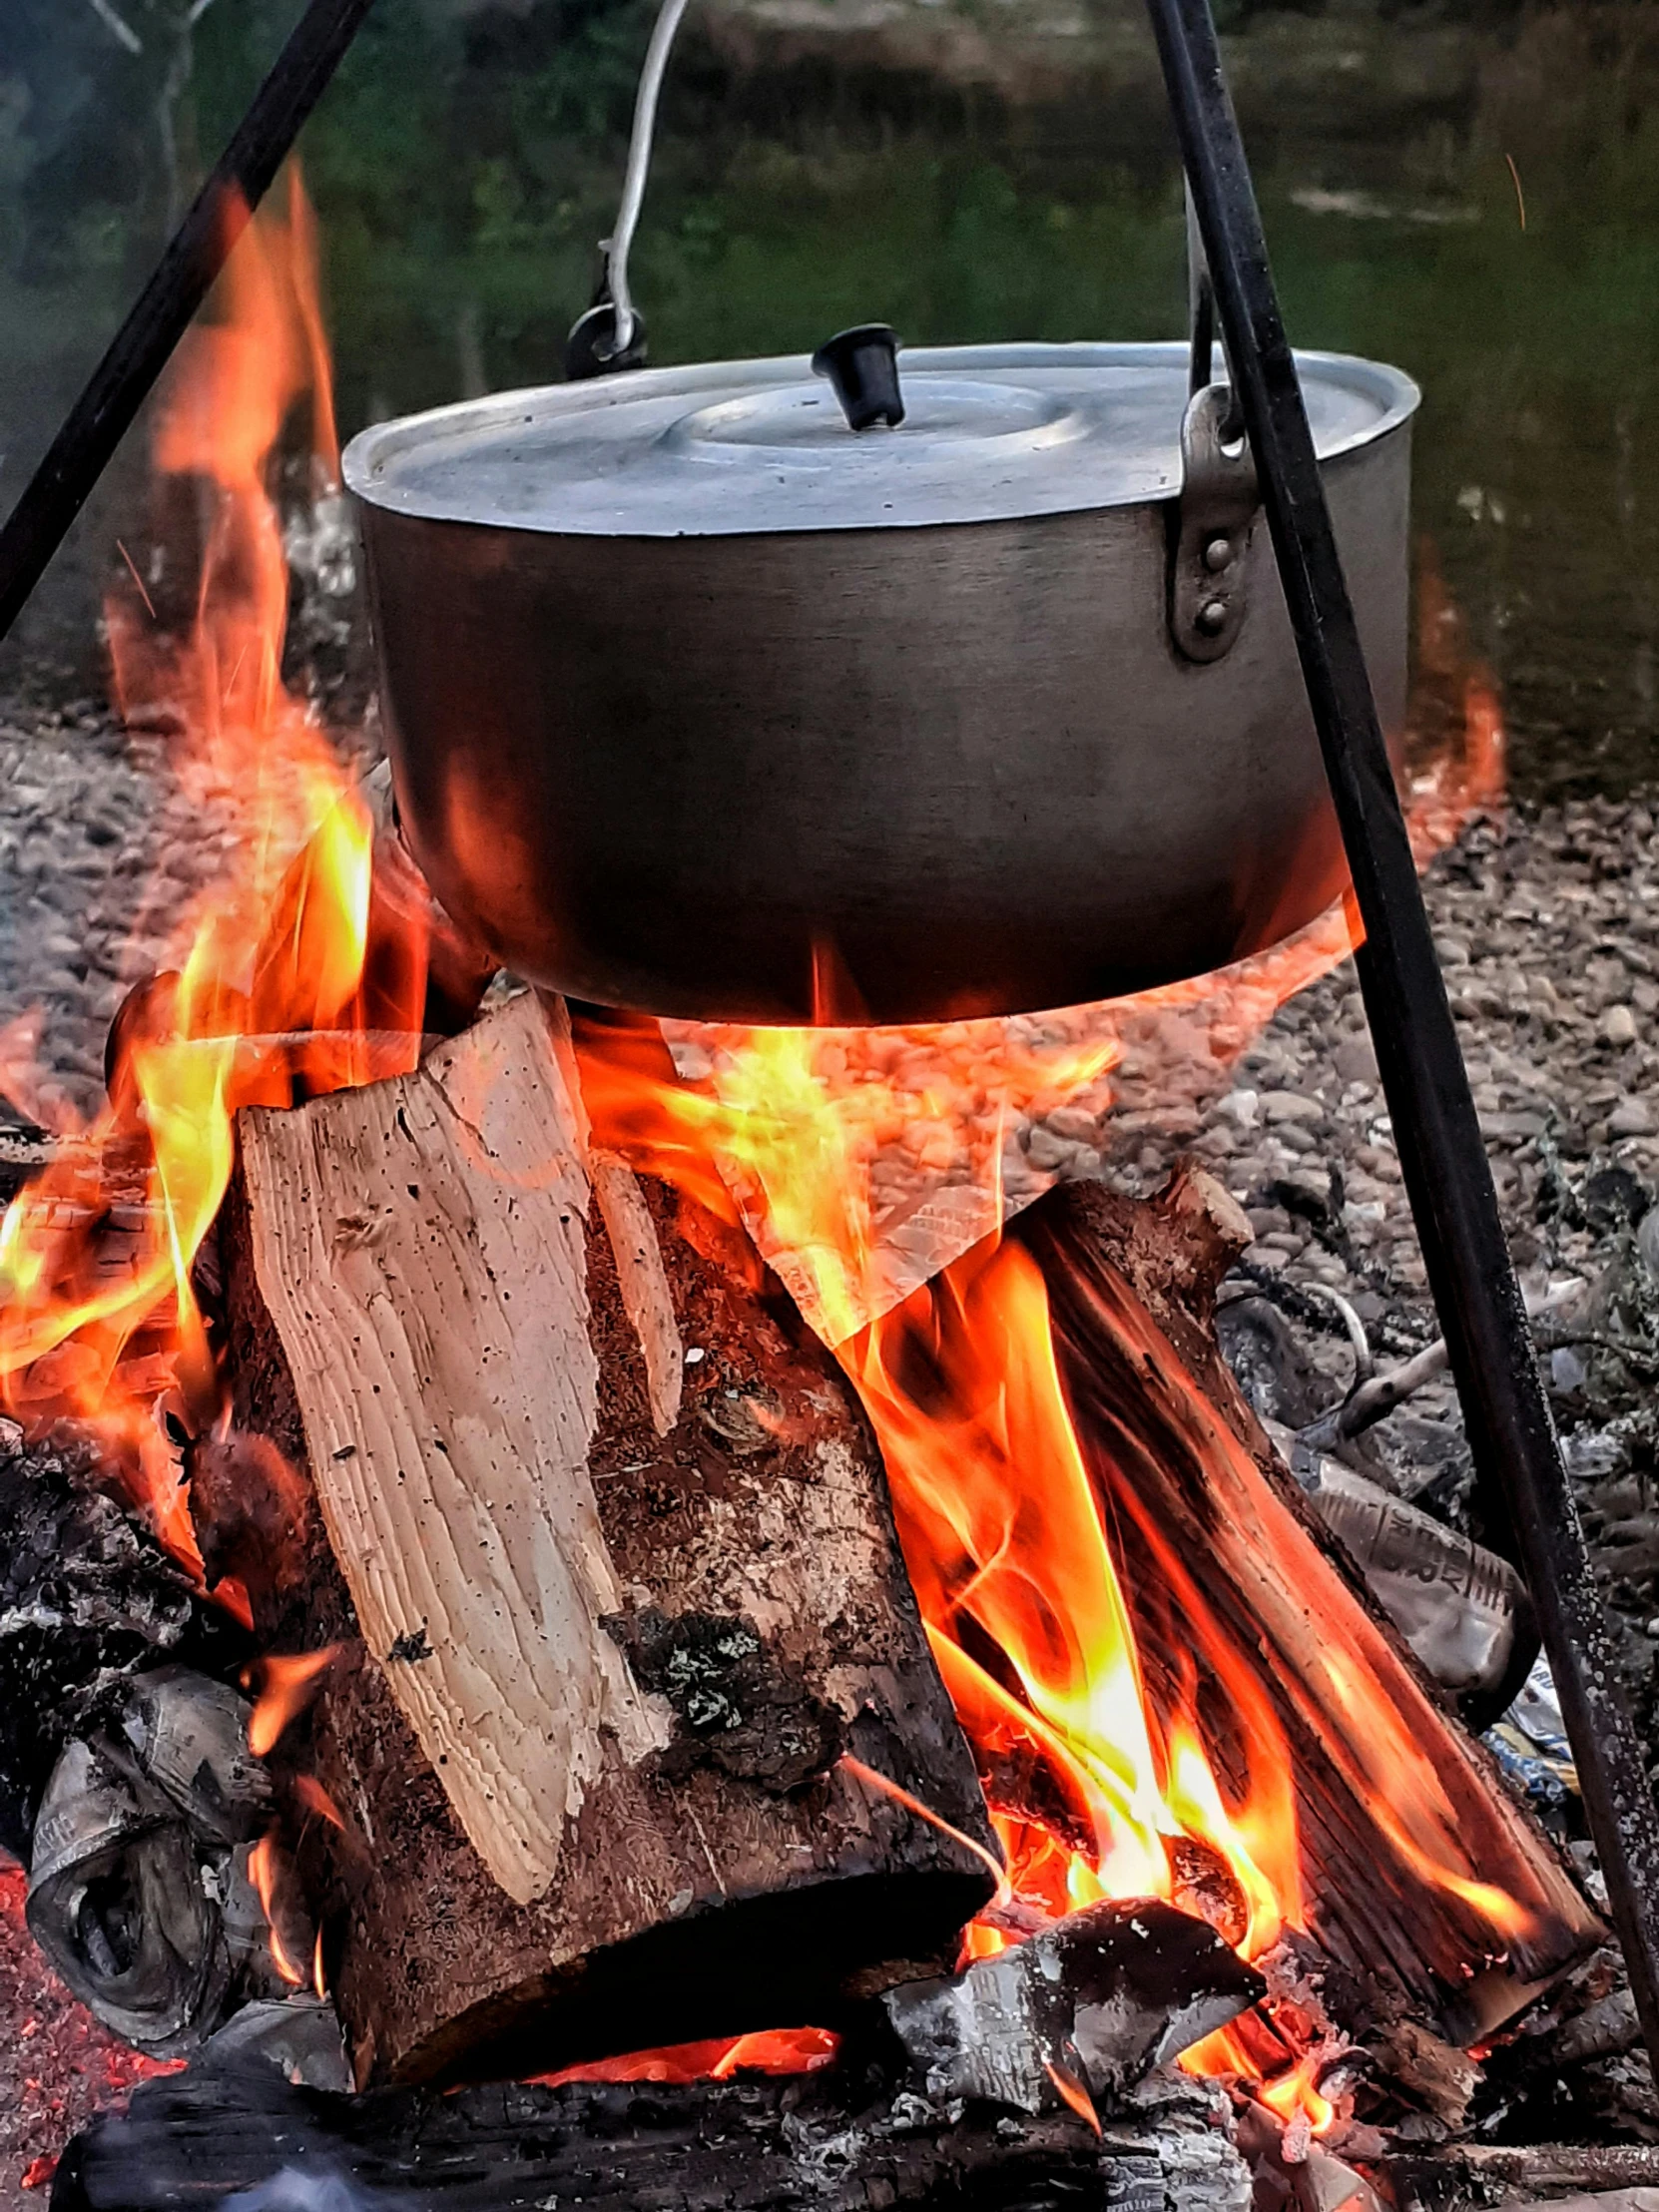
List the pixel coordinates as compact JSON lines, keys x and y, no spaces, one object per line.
{"x":827,"y":2144}
{"x":1402,"y":1816}
{"x":605,"y":1545}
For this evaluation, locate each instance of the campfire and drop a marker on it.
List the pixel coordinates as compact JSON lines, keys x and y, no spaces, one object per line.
{"x":576,"y":1552}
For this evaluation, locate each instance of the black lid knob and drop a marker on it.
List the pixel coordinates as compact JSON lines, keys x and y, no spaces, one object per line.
{"x":863,"y":364}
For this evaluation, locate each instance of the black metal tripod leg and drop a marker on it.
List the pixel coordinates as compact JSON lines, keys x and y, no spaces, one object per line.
{"x":1443,"y":1160}
{"x":144,"y":345}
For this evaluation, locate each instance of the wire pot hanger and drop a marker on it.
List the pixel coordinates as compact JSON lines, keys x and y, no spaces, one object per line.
{"x":611,"y":335}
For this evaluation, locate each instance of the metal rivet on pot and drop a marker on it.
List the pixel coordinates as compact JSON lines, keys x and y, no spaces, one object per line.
{"x":1212,"y":616}
{"x":1216,"y":554}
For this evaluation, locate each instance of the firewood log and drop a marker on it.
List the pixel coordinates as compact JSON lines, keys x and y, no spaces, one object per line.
{"x":1402,"y":1816}
{"x":604,"y":1543}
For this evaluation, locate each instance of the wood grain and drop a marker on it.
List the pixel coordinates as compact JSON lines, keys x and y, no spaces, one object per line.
{"x":610,"y":1569}
{"x":419,"y":1244}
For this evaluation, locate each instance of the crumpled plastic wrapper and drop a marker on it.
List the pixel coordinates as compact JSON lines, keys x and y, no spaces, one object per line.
{"x":1531,"y":1743}
{"x":138,"y":1884}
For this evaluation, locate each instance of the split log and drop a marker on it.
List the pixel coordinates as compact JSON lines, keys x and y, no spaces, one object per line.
{"x":1406,"y":1831}
{"x":605,"y":1543}
{"x":823,"y":2144}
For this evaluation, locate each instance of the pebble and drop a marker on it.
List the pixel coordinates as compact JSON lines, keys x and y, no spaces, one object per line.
{"x":1355,"y":1059}
{"x":1617,"y":1026}
{"x":1290,"y":1106}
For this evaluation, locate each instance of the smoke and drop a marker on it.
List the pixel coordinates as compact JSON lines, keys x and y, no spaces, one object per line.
{"x":317,"y":2190}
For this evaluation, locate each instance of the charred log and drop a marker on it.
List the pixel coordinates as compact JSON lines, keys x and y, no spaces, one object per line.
{"x":604,"y":1545}
{"x":838,"y":2142}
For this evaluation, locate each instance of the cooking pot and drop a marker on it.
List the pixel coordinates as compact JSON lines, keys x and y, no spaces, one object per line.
{"x":704,"y":702}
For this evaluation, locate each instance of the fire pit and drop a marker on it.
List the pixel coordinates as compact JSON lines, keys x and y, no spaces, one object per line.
{"x":697,"y":1600}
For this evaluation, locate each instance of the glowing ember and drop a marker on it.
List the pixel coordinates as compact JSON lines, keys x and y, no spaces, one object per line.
{"x":775,"y":2051}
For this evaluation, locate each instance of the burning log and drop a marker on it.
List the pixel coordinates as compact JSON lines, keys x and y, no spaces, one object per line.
{"x":1415,"y":1862}
{"x":625,"y":1644}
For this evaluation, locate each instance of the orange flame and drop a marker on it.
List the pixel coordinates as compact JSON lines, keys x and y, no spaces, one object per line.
{"x":1093,"y":1793}
{"x":861,"y":1161}
{"x":273,"y":991}
{"x":1001,"y":1529}
{"x":315,"y":1799}
{"x":1006,"y":1546}
{"x":264,"y":991}
{"x":287,"y":1682}
{"x":914,"y":1804}
{"x":264,"y":1871}
{"x":1297,"y":2093}
{"x":1073,"y":2092}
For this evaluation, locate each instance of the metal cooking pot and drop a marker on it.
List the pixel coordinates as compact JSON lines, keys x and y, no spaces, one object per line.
{"x":701,"y":701}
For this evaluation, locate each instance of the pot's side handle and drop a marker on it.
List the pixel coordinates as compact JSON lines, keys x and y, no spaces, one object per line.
{"x":1213,"y":522}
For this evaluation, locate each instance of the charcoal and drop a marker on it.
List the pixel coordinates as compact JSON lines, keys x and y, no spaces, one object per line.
{"x":88,"y":1599}
{"x":1100,"y":1997}
{"x":840,"y":2141}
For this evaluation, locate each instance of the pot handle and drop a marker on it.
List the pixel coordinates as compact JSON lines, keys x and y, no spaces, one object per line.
{"x":611,"y":335}
{"x":1215,"y":516}
{"x":1213,"y":525}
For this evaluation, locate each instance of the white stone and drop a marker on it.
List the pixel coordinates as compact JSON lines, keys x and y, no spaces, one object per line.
{"x":1283,"y":1106}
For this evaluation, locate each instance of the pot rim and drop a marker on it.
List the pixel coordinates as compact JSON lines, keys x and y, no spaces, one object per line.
{"x":368,"y":464}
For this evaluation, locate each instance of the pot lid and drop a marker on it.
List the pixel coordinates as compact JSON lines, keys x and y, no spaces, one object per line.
{"x":729,"y":448}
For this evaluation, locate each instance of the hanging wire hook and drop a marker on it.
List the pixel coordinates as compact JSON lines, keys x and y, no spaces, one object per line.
{"x":612,"y":332}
